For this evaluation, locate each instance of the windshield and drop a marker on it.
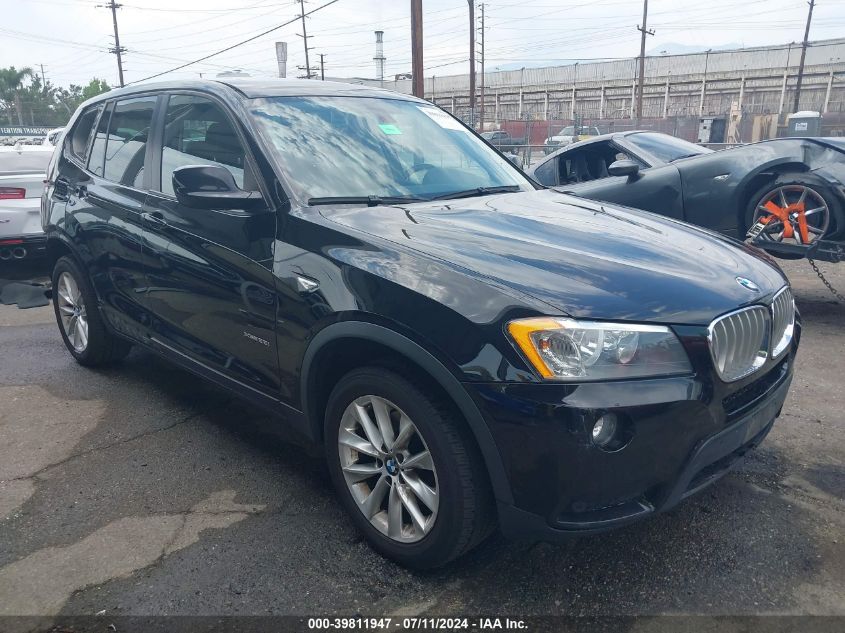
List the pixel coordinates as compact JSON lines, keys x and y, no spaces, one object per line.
{"x":567,"y":131}
{"x":666,"y":148}
{"x":376,"y":147}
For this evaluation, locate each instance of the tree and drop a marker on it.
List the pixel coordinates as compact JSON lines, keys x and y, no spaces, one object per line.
{"x":39,"y":102}
{"x":71,"y":97}
{"x":95,"y":87}
{"x":11,"y":83}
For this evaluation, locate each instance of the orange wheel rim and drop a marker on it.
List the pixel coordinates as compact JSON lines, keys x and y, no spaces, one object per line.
{"x":792,"y":212}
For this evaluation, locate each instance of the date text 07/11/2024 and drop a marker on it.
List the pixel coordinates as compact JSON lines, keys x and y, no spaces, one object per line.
{"x":416,"y":623}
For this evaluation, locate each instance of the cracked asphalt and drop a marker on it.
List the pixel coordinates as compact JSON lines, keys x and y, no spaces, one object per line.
{"x":141,"y":490}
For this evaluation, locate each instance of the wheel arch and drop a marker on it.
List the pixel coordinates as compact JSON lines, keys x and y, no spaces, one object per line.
{"x":59,"y":247}
{"x":326,"y":361}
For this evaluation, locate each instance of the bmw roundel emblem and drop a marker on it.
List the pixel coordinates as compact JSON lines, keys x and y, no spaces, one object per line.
{"x":747,"y":284}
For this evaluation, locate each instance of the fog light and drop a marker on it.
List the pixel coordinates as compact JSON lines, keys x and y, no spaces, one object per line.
{"x":604,"y":430}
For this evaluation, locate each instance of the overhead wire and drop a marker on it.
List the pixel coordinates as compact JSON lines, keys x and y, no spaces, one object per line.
{"x":228,"y":48}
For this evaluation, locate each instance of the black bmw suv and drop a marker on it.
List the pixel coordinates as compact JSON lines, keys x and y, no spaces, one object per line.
{"x":470,"y":349}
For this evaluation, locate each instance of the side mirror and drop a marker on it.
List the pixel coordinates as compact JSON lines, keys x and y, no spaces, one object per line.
{"x":628,"y":168}
{"x":212,"y":187}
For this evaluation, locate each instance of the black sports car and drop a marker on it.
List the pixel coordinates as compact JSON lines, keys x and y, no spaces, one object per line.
{"x":792,"y":187}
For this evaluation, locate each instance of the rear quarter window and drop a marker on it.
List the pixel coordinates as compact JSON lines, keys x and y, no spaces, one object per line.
{"x":77,"y":140}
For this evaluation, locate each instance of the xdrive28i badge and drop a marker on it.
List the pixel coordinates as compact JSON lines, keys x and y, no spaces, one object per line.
{"x":747,"y":284}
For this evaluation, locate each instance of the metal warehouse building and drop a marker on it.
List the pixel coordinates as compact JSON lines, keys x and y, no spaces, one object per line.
{"x":760,"y":80}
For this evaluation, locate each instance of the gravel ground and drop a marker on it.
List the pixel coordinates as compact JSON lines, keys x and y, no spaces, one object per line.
{"x":141,"y":490}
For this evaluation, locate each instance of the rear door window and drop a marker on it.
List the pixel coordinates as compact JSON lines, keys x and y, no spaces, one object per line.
{"x":126,"y":142}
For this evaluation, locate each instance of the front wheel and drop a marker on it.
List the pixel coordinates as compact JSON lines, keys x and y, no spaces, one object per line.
{"x":406,"y":469}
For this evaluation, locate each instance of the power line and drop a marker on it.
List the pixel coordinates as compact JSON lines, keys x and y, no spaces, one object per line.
{"x":203,"y":33}
{"x":195,"y":22}
{"x":228,"y":48}
{"x":221,"y":10}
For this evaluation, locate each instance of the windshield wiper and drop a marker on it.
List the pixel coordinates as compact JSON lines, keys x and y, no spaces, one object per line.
{"x":478,"y":191}
{"x":370,"y":201}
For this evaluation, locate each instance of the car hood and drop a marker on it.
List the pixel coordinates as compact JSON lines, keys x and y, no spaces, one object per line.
{"x":586,"y":259}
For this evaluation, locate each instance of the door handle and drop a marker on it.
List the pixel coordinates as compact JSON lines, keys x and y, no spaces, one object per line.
{"x":153,"y":217}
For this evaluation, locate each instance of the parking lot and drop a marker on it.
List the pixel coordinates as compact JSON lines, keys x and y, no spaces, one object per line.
{"x":142,"y":490}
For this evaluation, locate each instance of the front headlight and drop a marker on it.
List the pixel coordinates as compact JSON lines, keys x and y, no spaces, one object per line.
{"x":566,"y":349}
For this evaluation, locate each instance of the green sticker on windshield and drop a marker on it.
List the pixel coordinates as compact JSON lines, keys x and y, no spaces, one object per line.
{"x":389,"y":128}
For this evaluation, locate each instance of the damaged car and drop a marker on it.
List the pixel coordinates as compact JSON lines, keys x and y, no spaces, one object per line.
{"x":792,"y":187}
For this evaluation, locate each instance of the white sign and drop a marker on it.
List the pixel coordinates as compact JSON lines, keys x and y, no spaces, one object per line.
{"x":801,"y":127}
{"x":282,"y":58}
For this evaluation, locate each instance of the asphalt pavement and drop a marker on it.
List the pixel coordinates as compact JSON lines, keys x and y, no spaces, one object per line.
{"x":141,"y":490}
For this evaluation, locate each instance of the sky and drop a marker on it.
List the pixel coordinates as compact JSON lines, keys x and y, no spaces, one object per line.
{"x":71,"y":37}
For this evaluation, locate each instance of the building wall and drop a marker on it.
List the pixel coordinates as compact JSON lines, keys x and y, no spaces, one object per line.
{"x":763,"y":77}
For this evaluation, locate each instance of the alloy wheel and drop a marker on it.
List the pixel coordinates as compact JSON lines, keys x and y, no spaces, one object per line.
{"x":72,"y":311}
{"x":794,"y":212}
{"x":388,"y":469}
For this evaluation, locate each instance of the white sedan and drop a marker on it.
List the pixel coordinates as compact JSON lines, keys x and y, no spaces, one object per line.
{"x":23,"y":169}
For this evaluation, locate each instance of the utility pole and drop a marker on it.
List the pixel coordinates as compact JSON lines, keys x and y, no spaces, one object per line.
{"x":117,"y":49}
{"x":43,"y":77}
{"x":704,"y":82}
{"x":305,"y":41}
{"x":471,"y":62}
{"x":322,"y":67}
{"x":481,"y":110}
{"x":644,"y":30}
{"x":417,"y":49}
{"x":803,"y":56}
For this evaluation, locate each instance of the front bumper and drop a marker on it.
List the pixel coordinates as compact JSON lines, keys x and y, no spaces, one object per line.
{"x":687,"y":433}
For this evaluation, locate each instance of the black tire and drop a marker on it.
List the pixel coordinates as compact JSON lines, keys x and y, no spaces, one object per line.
{"x":465,"y":513}
{"x":103,"y":347}
{"x":837,"y":216}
